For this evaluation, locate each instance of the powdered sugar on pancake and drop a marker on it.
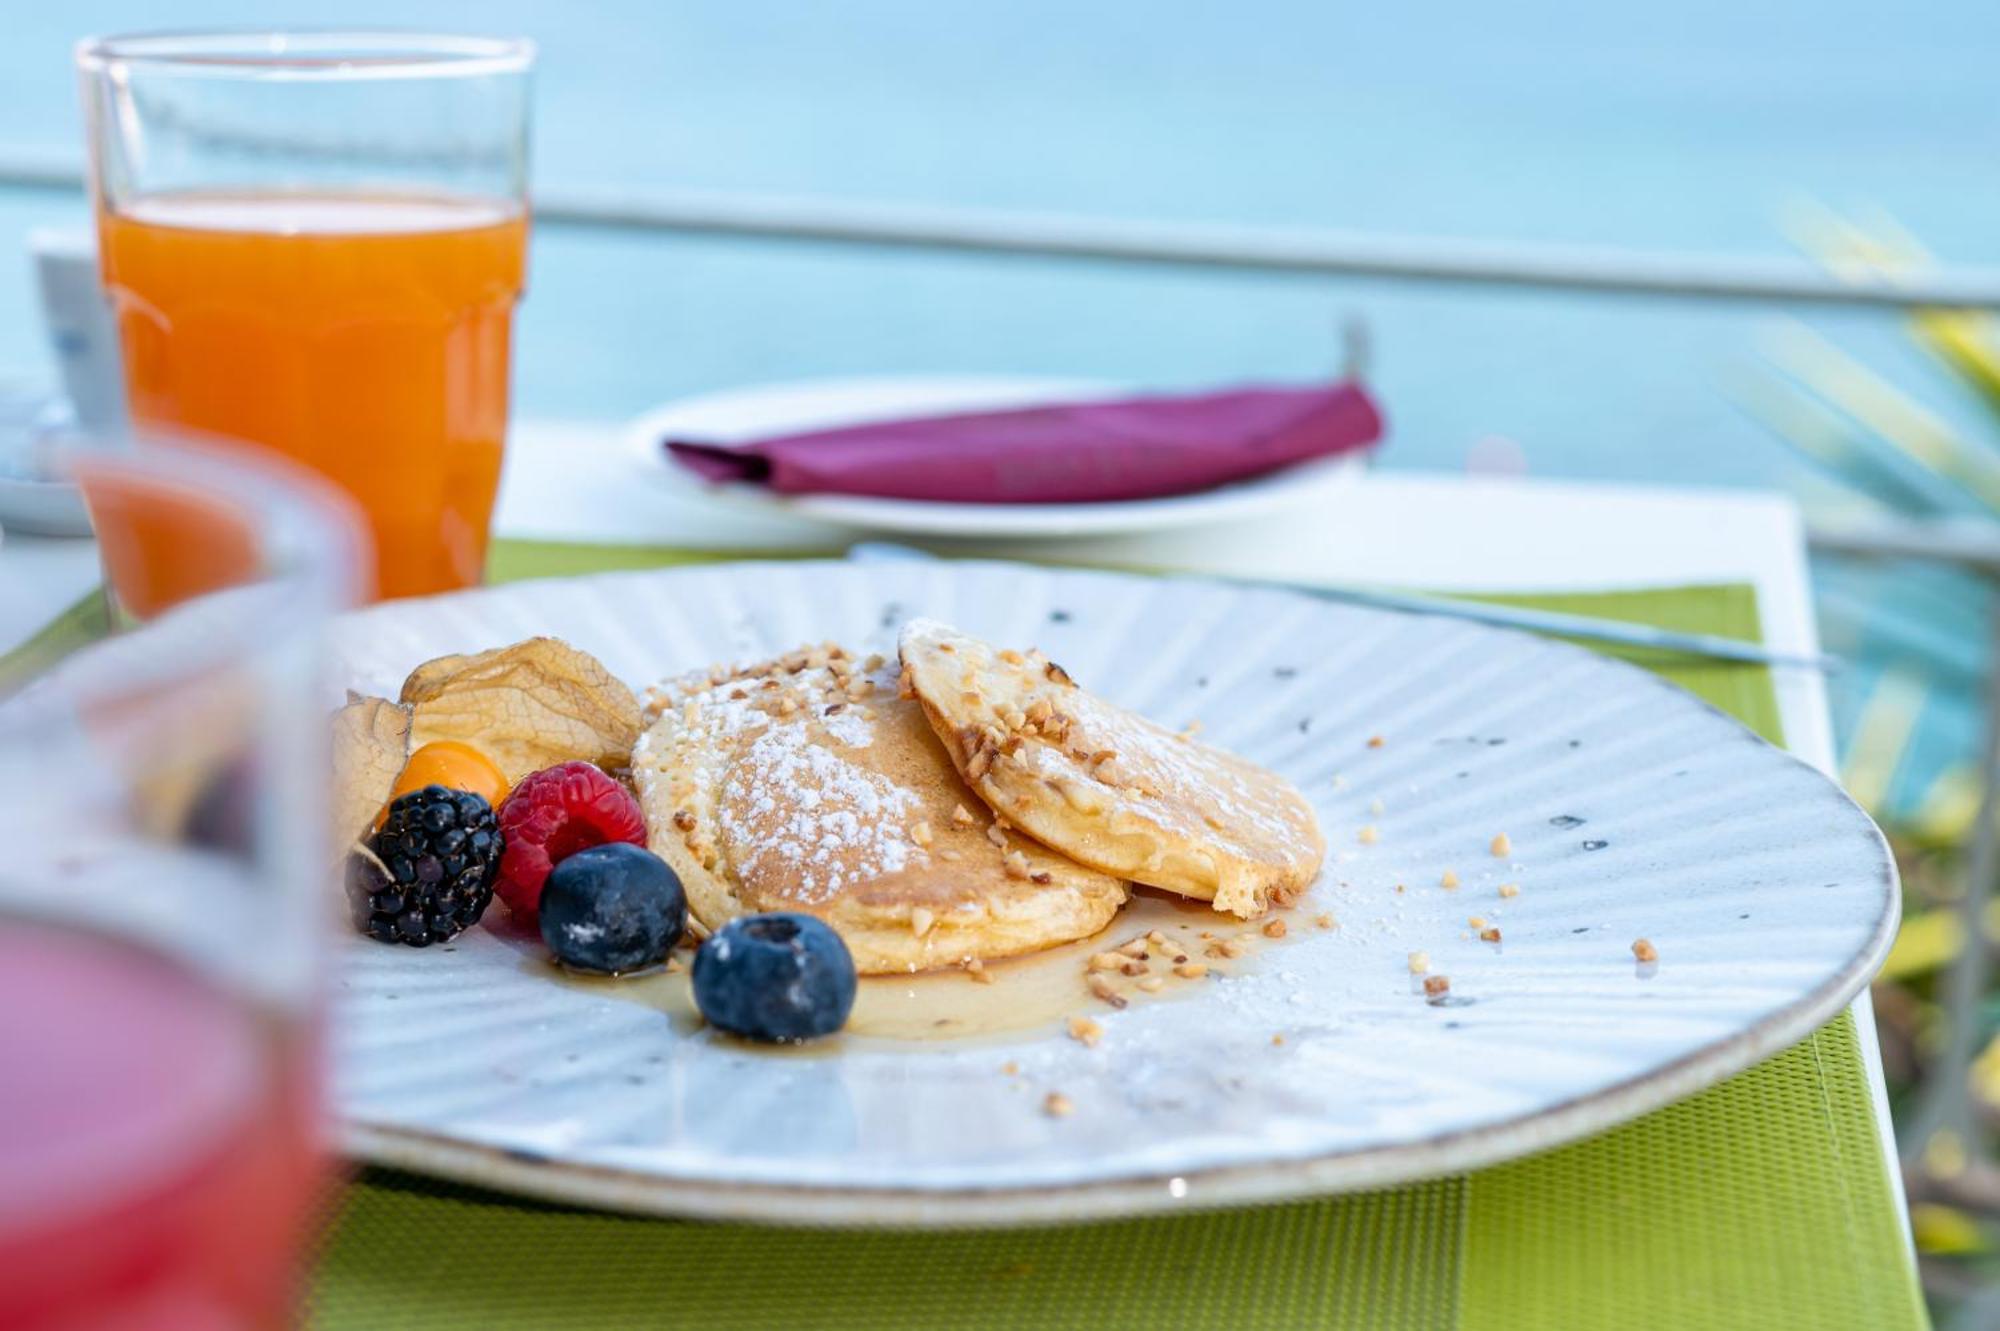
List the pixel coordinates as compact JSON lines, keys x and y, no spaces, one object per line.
{"x":808,"y":783}
{"x":779,"y":767}
{"x":794,"y":802}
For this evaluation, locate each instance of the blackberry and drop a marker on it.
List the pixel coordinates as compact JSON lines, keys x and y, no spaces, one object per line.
{"x":441,"y":849}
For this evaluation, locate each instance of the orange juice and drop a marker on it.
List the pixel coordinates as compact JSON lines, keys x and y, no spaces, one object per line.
{"x":362,"y":335}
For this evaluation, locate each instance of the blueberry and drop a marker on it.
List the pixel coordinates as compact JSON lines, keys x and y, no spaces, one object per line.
{"x":781,"y":977}
{"x":612,"y":908}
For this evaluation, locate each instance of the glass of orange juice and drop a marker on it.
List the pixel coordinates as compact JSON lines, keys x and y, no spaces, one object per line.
{"x":313,"y":243}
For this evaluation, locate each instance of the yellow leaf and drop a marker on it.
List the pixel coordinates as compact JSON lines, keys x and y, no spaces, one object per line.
{"x":1946,"y":1230}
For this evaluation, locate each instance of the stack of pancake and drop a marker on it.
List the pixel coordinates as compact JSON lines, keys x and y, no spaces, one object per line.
{"x":958,"y":805}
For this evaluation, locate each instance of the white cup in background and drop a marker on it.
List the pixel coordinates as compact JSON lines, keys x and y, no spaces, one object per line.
{"x":81,"y":332}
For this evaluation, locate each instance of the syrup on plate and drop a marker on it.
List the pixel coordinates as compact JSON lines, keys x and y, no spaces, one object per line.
{"x":1032,"y":994}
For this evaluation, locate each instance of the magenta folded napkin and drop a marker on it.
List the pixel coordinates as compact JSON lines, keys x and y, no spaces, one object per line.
{"x":1134,"y":448}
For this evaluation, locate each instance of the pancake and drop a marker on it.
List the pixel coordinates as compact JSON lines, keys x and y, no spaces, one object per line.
{"x":808,"y":784}
{"x":1104,"y":785}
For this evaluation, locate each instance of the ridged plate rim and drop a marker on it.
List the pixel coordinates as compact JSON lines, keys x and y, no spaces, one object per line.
{"x":644,"y":1192}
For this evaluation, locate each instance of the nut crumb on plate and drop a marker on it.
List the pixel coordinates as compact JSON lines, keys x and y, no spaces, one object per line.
{"x":1057,"y":1105}
{"x":1436,"y":986}
{"x":1449,"y":881}
{"x":1645,"y":951}
{"x":1419,"y":962}
{"x":1085,"y":1031}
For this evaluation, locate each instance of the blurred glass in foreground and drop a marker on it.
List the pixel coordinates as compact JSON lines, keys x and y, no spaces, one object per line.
{"x":163,"y":902}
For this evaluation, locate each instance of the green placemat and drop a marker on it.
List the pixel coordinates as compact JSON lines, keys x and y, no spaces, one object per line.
{"x":1763,"y":1202}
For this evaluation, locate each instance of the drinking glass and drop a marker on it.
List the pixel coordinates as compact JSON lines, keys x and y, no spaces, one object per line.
{"x":164,"y":900}
{"x":313,"y":243}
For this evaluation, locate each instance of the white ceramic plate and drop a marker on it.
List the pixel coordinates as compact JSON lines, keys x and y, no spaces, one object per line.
{"x":829,"y":404}
{"x":1633,"y":810}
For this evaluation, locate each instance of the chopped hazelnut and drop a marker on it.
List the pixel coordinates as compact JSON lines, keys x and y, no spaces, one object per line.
{"x":1016,"y":864}
{"x":1100,"y":987}
{"x":1490,"y":934}
{"x":962,"y":816}
{"x":1368,"y":836}
{"x":1085,"y":1031}
{"x":1476,"y":922}
{"x":1191,"y":970}
{"x":1152,"y":984}
{"x":1510,"y":889}
{"x":1056,"y":1104}
{"x":1324,"y":921}
{"x":1645,"y":951}
{"x":1435,"y":986}
{"x":921,"y":921}
{"x":1449,"y":882}
{"x":1106,"y":961}
{"x":1374,"y":741}
{"x":921,"y":833}
{"x":976,"y":766}
{"x":1274,"y":929}
{"x":1502,"y":846}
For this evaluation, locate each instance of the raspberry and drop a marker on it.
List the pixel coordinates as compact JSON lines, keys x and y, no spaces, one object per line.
{"x":550,"y":816}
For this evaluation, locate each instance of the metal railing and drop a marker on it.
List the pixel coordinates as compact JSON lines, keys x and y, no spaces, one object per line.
{"x":1216,"y":247}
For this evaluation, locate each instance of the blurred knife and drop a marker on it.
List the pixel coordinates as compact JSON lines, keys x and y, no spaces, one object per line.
{"x":1502,"y":616}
